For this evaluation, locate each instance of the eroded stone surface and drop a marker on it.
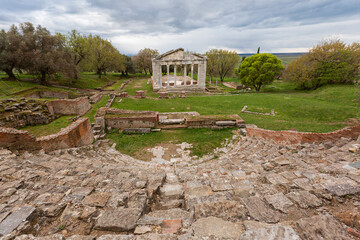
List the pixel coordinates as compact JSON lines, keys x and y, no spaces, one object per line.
{"x":118,"y":220}
{"x":271,"y":233}
{"x":216,"y":227}
{"x":321,"y":227}
{"x":256,"y":185}
{"x":259,"y":210}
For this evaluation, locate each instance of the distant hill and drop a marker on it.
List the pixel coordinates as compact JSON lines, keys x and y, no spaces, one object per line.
{"x":286,"y":58}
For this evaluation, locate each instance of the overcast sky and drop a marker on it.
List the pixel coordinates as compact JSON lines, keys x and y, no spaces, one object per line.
{"x":195,"y":25}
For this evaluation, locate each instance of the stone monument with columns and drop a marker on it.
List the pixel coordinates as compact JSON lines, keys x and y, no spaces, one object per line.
{"x":191,"y":77}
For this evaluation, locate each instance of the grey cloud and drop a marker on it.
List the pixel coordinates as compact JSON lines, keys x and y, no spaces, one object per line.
{"x":193,"y":24}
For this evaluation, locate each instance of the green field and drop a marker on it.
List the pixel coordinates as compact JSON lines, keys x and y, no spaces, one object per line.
{"x":326,"y":109}
{"x":203,"y":140}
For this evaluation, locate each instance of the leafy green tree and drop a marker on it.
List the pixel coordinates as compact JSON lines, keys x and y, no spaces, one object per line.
{"x":329,"y":62}
{"x":10,"y":51}
{"x":144,"y":58}
{"x":260,"y":69}
{"x":50,"y":55}
{"x":129,"y":66}
{"x":80,"y":47}
{"x":104,"y":56}
{"x":221,"y":62}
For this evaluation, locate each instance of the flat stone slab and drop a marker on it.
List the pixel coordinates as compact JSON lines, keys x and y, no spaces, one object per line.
{"x":172,"y":121}
{"x":225,"y":123}
{"x":342,"y":189}
{"x":279,"y":202}
{"x":259,"y":210}
{"x":96,"y":199}
{"x":15,"y":219}
{"x":304,"y":199}
{"x":276,"y":179}
{"x":172,"y":191}
{"x":355,"y":164}
{"x":220,"y":184}
{"x":118,"y":220}
{"x":154,"y":236}
{"x":137,"y":130}
{"x":227,"y":210}
{"x":198,"y":191}
{"x":116,"y":237}
{"x":321,"y":227}
{"x":271,"y":233}
{"x":216,"y":228}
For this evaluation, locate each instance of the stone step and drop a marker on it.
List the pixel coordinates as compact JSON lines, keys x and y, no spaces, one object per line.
{"x":170,"y":127}
{"x":171,"y":192}
{"x":172,"y":121}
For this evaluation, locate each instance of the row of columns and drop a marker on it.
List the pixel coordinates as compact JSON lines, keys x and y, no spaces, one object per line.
{"x":185,"y":75}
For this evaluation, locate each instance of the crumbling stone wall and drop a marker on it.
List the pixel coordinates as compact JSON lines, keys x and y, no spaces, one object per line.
{"x":17,"y":139}
{"x":79,"y":133}
{"x":16,"y":113}
{"x":293,"y":137}
{"x":77,"y":106}
{"x":48,"y":94}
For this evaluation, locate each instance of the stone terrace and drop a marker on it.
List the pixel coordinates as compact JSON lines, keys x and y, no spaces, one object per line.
{"x":253,"y":189}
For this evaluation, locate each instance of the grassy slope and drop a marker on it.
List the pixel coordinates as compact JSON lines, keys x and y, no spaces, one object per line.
{"x":324,"y":110}
{"x":203,"y":140}
{"x":51,"y":128}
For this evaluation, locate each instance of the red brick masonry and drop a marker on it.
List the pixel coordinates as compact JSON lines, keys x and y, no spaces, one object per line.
{"x":294,"y":137}
{"x":77,"y":134}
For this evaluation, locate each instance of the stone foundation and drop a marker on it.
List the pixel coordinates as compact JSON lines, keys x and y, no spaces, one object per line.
{"x":16,"y":113}
{"x":78,"y":106}
{"x":124,"y":95}
{"x":293,"y":137}
{"x":163,"y":95}
{"x":95,"y":98}
{"x":140,"y":94}
{"x":77,"y":134}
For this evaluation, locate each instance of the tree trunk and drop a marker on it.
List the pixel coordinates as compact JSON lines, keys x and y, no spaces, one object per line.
{"x":10,"y":73}
{"x":99,"y":72}
{"x":43,"y":78}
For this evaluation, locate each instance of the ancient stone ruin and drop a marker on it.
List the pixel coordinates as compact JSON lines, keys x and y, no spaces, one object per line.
{"x":190,"y":63}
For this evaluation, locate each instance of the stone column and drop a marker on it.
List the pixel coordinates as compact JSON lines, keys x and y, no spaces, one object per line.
{"x":160,"y":72}
{"x":185,"y":75}
{"x":192,"y":74}
{"x":175,"y":75}
{"x":168,"y":74}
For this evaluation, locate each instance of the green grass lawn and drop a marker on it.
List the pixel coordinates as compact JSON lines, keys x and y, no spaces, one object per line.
{"x":101,"y":103}
{"x":323,"y":110}
{"x":51,"y":128}
{"x":140,"y":84}
{"x":204,"y":140}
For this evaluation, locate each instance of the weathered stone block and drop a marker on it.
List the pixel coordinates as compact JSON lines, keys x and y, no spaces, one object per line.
{"x":136,"y":130}
{"x":15,"y":219}
{"x":140,"y":94}
{"x":118,"y":220}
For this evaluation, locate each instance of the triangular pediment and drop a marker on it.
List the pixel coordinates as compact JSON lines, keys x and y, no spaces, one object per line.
{"x":179,"y":54}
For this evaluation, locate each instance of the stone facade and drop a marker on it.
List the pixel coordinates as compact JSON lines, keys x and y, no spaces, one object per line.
{"x":175,"y":83}
{"x":294,"y":137}
{"x":78,"y":106}
{"x":77,"y":134}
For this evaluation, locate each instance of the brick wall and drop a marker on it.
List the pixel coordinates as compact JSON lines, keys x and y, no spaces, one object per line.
{"x":77,"y":106}
{"x":294,"y":137}
{"x":77,"y":134}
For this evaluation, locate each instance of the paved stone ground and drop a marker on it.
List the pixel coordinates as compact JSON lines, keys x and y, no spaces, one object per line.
{"x":252,"y":190}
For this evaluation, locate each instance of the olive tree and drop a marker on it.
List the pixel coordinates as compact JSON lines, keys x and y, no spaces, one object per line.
{"x":221,"y":63}
{"x":143,"y":59}
{"x":260,"y":69}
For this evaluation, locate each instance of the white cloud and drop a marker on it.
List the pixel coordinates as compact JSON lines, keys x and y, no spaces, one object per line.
{"x":197,"y":25}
